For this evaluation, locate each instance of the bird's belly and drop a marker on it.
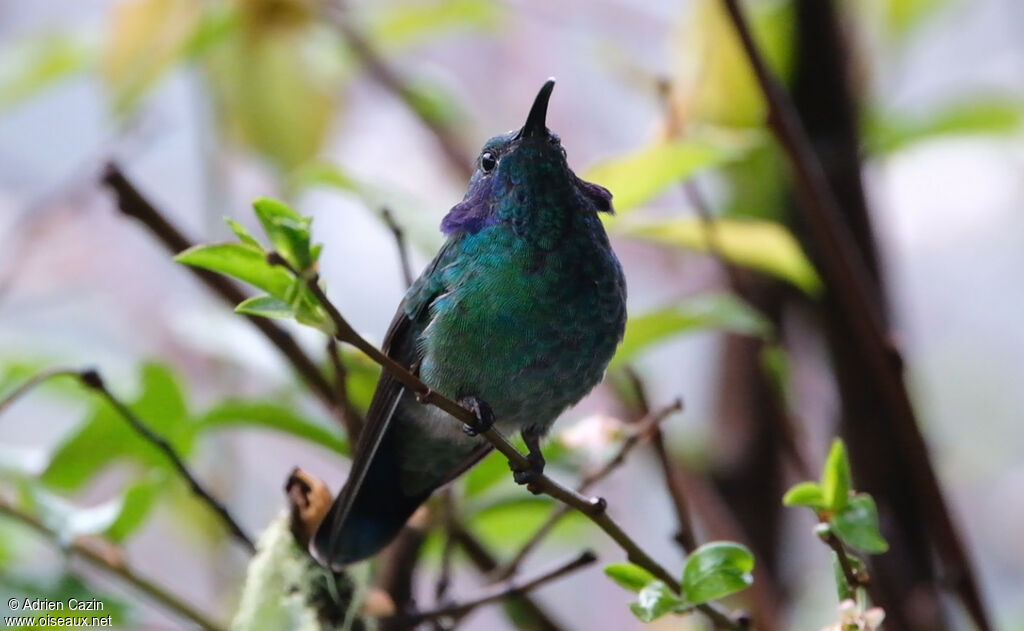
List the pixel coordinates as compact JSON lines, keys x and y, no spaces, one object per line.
{"x":529,"y":348}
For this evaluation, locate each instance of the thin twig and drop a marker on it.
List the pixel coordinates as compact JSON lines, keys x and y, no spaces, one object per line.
{"x":501,"y":592}
{"x":536,"y":618}
{"x":32,"y":382}
{"x":684,"y":536}
{"x":847,"y":276}
{"x":133,"y":204}
{"x":852,"y":577}
{"x":389,"y":78}
{"x":92,"y":380}
{"x":112,"y":562}
{"x":350,"y":417}
{"x":642,"y":430}
{"x":444,"y":575}
{"x":593,"y":508}
{"x":403,"y":247}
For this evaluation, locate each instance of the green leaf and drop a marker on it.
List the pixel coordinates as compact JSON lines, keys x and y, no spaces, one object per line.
{"x":857,"y":525}
{"x":244,"y":262}
{"x":805,"y":494}
{"x":836,"y":480}
{"x":136,"y":502}
{"x":508,"y":523}
{"x":765,"y":246}
{"x":268,"y":415}
{"x":37,"y":62}
{"x":491,"y":470}
{"x":655,"y":600}
{"x":105,"y":437}
{"x":632,"y":577}
{"x":723,"y":312}
{"x":887,"y":133}
{"x":404,"y":24}
{"x":903,"y":15}
{"x":265,"y":307}
{"x":288,"y":231}
{"x":717,"y":569}
{"x":243,"y":235}
{"x":636,"y":177}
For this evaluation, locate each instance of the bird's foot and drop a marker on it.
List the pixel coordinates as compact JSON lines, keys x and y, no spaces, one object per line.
{"x":535,"y":467}
{"x":483,"y":413}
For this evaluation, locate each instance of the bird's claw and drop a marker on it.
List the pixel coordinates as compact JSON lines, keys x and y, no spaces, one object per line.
{"x":533,"y":471}
{"x":483,"y":413}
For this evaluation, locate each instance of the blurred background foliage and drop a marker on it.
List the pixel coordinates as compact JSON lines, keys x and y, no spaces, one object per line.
{"x":347,"y":110}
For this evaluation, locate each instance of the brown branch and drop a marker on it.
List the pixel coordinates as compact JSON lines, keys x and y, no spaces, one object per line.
{"x":646,"y":427}
{"x":485,"y":562}
{"x":133,"y":204}
{"x":111,"y":561}
{"x":350,"y":417}
{"x":32,"y":382}
{"x":853,"y":578}
{"x":594,"y":508}
{"x":91,"y":379}
{"x":403,"y":248}
{"x":389,"y":78}
{"x":684,"y":536}
{"x":847,"y":276}
{"x":500,"y":592}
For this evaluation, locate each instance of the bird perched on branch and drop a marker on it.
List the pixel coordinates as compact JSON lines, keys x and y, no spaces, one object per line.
{"x":517,"y":318}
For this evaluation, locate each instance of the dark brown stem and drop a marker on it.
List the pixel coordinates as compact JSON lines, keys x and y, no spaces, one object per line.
{"x":400,"y":243}
{"x":648,"y":426}
{"x":853,"y":579}
{"x":388,"y":77}
{"x":133,"y":204}
{"x":592,"y":507}
{"x":350,"y":417}
{"x":485,"y":562}
{"x":847,"y":276}
{"x":32,"y":382}
{"x":500,"y":592}
{"x":91,"y":379}
{"x":111,"y":561}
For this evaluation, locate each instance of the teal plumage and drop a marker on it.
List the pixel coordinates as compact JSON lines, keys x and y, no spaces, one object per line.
{"x":520,"y":311}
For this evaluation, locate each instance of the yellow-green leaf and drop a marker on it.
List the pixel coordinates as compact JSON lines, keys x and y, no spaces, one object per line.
{"x":765,"y":246}
{"x":144,"y":39}
{"x":638,"y":176}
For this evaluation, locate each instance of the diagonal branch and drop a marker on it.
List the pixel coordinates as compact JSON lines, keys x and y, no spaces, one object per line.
{"x":644,"y":429}
{"x":594,"y":508}
{"x":111,"y":561}
{"x":499,"y":592}
{"x":133,"y":204}
{"x":848,"y":278}
{"x":92,"y":380}
{"x":400,"y":242}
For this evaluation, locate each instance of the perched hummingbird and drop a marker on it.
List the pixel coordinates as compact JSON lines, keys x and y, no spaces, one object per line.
{"x":517,"y":318}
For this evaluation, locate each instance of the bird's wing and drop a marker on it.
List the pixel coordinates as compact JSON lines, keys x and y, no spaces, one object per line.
{"x":400,"y":343}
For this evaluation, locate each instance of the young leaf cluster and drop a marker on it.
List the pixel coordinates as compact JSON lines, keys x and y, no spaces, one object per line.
{"x":714,"y":570}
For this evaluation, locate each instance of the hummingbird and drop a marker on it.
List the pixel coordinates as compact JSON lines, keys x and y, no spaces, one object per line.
{"x":516,"y":317}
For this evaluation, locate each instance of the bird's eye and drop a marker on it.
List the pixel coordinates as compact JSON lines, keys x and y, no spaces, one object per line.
{"x":488,"y":162}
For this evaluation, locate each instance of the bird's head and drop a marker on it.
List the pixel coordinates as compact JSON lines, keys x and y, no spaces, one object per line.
{"x":523,"y":177}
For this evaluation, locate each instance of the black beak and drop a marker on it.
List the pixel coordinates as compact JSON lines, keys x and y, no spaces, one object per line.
{"x":535,"y":123}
